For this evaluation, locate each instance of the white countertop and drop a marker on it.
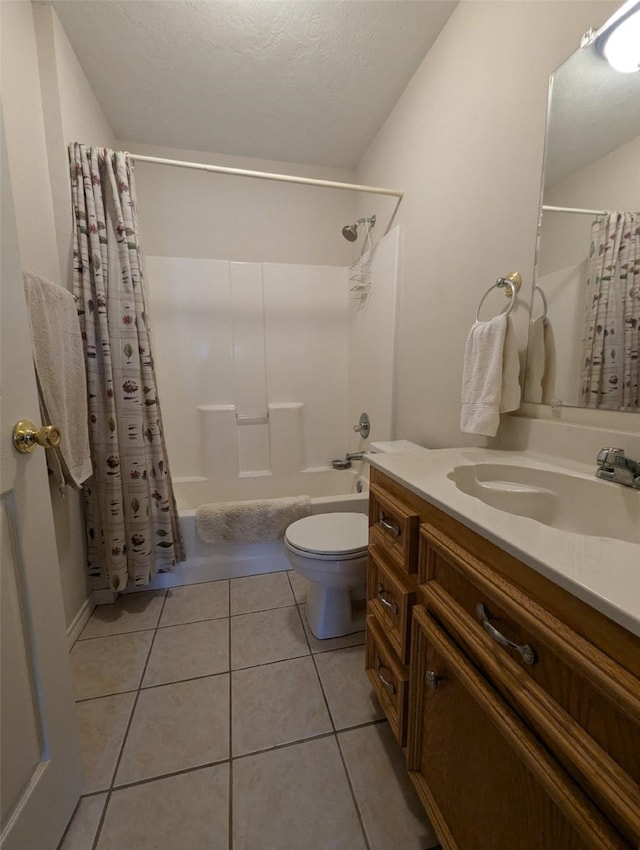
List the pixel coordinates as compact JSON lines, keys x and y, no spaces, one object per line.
{"x":602,"y":571}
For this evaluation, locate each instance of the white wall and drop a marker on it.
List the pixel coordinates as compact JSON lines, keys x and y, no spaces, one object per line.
{"x":26,"y":140}
{"x":465,"y":142}
{"x":186,"y":213}
{"x":71,"y":114}
{"x":46,"y":101}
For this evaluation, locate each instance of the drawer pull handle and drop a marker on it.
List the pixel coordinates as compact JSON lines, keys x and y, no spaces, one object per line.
{"x":390,"y":605}
{"x":432,"y":679}
{"x":391,"y":527}
{"x":528,"y":655}
{"x":388,"y":685}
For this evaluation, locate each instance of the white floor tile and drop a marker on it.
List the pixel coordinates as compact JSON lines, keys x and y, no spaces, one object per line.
{"x":133,"y":612}
{"x":109,"y":665}
{"x":102,"y":724}
{"x":266,"y":636}
{"x":294,"y":798}
{"x":347,"y":688}
{"x":84,"y":824}
{"x":187,"y":604}
{"x":392,"y":814}
{"x":185,"y":812}
{"x":188,"y":651}
{"x":299,"y":585}
{"x":276,"y":704}
{"x":175,"y":727}
{"x":259,"y":593}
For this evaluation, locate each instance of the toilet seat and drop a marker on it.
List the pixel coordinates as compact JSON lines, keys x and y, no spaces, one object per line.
{"x":329,"y":537}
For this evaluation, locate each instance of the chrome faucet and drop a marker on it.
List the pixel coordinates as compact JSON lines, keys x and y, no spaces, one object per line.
{"x":345,"y":463}
{"x":614,"y":466}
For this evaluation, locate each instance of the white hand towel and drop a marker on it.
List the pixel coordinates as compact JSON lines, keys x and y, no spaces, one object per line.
{"x":62,"y":386}
{"x":490,"y":382}
{"x":549,"y":377}
{"x":536,"y":360}
{"x":540,"y":370}
{"x":511,"y":394}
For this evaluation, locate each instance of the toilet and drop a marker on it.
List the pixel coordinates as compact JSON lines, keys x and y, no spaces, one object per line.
{"x":330,"y":550}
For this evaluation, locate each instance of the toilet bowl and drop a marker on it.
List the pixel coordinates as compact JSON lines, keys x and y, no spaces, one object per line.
{"x":330,"y":550}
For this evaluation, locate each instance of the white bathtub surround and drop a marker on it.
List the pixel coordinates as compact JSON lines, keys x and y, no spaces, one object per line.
{"x":372,"y":344}
{"x":249,"y":354}
{"x":253,"y":521}
{"x":262,"y":367}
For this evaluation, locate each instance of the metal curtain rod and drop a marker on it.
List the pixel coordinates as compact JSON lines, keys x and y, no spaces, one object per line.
{"x":574,"y":210}
{"x":266,"y":175}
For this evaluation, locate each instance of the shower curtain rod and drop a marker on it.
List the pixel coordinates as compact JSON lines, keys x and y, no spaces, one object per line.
{"x":267,"y":175}
{"x":574,"y":210}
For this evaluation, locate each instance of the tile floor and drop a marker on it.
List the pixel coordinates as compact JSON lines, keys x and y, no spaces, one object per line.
{"x":212,"y":719}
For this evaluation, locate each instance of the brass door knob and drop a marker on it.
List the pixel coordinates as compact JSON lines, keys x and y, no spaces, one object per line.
{"x":26,"y":436}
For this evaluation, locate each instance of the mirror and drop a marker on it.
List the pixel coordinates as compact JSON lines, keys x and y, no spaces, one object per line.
{"x":592,"y":167}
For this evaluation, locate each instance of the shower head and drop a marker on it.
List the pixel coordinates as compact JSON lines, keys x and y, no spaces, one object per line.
{"x":350,"y":231}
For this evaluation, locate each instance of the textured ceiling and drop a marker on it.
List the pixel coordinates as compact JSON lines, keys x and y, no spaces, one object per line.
{"x":308,"y":81}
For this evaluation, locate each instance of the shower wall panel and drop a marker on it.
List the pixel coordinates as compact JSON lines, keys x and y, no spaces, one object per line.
{"x":190,"y":309}
{"x":306,"y":321}
{"x":252,"y":366}
{"x":372,"y":345}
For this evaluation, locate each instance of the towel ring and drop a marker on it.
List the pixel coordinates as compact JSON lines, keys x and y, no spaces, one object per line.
{"x":545,"y":306}
{"x":501,"y":283}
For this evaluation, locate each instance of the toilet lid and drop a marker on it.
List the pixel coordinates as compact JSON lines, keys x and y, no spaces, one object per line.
{"x":330,"y":534}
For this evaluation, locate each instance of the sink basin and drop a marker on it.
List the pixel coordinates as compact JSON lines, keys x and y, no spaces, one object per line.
{"x":559,"y":499}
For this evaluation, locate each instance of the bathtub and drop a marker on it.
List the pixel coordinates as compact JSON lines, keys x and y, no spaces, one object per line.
{"x":330,"y":490}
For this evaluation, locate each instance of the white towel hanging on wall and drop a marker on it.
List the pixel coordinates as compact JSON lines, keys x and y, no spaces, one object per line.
{"x":490,"y":378}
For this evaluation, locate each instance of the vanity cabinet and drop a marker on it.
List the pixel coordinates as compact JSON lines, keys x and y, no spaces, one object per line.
{"x":522,"y":725}
{"x":392,"y":582}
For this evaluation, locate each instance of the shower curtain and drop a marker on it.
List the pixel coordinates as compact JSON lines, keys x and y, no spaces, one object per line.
{"x":610,"y":376}
{"x":132,"y":525}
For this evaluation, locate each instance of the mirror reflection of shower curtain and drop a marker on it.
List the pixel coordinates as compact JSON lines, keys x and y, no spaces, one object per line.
{"x":610,"y":375}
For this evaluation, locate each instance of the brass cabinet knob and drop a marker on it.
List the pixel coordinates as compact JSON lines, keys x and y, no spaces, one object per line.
{"x":433,"y":679}
{"x":26,"y":436}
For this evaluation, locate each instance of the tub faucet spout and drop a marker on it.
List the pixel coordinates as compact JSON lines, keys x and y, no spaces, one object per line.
{"x":354,"y":455}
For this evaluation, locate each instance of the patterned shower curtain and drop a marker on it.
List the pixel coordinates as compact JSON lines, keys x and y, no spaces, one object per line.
{"x":132,"y":526}
{"x":610,"y":377}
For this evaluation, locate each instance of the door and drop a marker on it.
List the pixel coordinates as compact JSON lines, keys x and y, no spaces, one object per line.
{"x":40,"y":764}
{"x":484,"y":778}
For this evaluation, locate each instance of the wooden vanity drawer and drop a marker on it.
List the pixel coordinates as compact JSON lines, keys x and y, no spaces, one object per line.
{"x":395,"y":527}
{"x":578,"y":700}
{"x":388,"y":677}
{"x":390,"y":597}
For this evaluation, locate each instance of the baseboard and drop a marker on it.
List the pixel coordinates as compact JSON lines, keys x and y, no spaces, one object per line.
{"x":104,"y":597}
{"x":80,"y":620}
